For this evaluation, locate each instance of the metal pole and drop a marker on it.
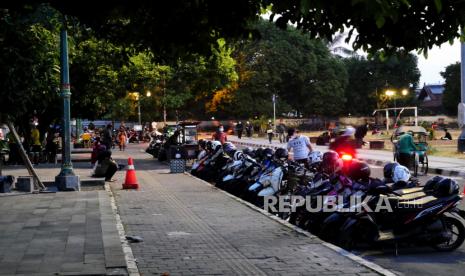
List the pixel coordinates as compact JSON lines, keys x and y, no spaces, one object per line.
{"x":274,"y":112}
{"x":164,"y":100}
{"x":387,"y":120}
{"x":138,"y":109}
{"x":66,"y":164}
{"x":416,"y":116}
{"x":461,"y":106}
{"x":66,"y":180}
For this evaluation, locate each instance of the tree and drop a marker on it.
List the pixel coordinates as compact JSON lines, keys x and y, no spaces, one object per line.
{"x":451,"y":96}
{"x":172,"y":28}
{"x":370,"y":77}
{"x":301,"y":71}
{"x":29,"y":67}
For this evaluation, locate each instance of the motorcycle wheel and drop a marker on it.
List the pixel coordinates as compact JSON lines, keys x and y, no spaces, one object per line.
{"x":457,"y":231}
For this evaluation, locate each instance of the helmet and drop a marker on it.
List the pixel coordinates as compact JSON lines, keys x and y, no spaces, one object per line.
{"x":400,"y":173}
{"x":431,"y":184}
{"x":388,"y":170}
{"x":238,"y":155}
{"x":202,"y":143}
{"x":359,"y":170}
{"x":229,"y":148}
{"x":216,"y":145}
{"x":259,"y":153}
{"x":281,"y":154}
{"x":315,"y":156}
{"x":248,"y":151}
{"x":331,"y":162}
{"x":349,"y":131}
{"x":267,"y":153}
{"x":446,"y":187}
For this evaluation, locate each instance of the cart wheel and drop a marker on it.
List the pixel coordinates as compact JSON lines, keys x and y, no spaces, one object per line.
{"x":425,"y":164}
{"x":415,"y":165}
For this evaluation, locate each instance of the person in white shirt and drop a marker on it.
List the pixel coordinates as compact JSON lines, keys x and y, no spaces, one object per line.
{"x":300,"y":145}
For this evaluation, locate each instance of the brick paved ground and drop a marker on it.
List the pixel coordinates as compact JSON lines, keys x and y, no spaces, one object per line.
{"x":65,"y":233}
{"x":191,"y":228}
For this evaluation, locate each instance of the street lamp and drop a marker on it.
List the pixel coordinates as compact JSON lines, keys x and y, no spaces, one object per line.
{"x":404,"y":92}
{"x":137,"y":97}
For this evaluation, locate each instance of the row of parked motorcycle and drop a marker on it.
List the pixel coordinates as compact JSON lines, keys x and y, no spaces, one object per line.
{"x":334,"y":196}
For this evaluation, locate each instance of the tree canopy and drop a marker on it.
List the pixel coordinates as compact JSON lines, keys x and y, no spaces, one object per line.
{"x":451,"y":97}
{"x":172,"y":28}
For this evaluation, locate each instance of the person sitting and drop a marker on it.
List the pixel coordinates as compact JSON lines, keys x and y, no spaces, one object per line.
{"x":406,"y":148}
{"x":220,"y":135}
{"x":96,"y":150}
{"x":106,"y":166}
{"x":447,"y":135}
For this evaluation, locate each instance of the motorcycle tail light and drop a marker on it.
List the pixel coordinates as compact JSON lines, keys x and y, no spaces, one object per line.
{"x":346,"y":157}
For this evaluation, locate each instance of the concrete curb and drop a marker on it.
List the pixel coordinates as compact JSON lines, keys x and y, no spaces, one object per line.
{"x":359,"y":260}
{"x":131,"y":262}
{"x":444,"y":172}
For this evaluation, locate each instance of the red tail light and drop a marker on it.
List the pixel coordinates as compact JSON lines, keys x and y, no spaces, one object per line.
{"x":346,"y":157}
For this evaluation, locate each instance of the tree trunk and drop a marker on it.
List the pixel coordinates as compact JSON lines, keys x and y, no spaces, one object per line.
{"x":37,"y":183}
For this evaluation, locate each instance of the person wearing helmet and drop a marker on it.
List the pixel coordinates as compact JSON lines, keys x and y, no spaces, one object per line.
{"x":331,"y":162}
{"x":345,"y":143}
{"x":300,"y":145}
{"x":220,"y":135}
{"x":406,"y":148}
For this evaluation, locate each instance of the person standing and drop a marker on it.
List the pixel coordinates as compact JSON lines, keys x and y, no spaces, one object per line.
{"x":122,"y":140}
{"x":269,"y":131}
{"x":300,"y":145}
{"x":220,"y":135}
{"x":107,"y":137}
{"x":13,"y":156}
{"x":36,"y":147}
{"x":360,"y":133}
{"x":406,"y":148}
{"x":281,"y":129}
{"x":239,"y":129}
{"x":248,"y":129}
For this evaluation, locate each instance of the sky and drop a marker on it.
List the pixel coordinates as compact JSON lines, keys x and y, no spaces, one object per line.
{"x":438,"y":59}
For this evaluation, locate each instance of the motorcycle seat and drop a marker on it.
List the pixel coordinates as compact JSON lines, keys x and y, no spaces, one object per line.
{"x":417,"y":203}
{"x":409,"y":190}
{"x":410,"y":196}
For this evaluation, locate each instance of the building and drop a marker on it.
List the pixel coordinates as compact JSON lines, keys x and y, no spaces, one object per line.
{"x":430,"y":99}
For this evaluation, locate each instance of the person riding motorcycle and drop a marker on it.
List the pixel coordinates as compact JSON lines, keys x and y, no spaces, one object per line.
{"x":345,"y":144}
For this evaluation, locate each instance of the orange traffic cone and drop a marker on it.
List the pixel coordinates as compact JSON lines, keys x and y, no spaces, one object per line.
{"x":131,"y":179}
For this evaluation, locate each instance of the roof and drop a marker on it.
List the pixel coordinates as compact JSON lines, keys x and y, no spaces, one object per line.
{"x":414,"y":129}
{"x":431,"y":95}
{"x":436,"y":89}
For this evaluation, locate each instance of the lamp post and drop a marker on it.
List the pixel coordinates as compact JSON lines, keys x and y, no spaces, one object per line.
{"x":461,"y":105}
{"x":66,"y":179}
{"x":393,"y":93}
{"x":138,"y":96}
